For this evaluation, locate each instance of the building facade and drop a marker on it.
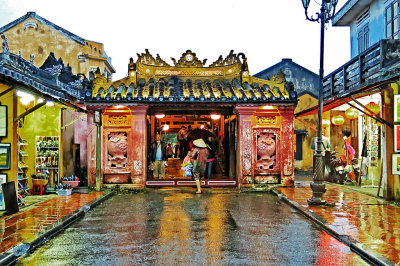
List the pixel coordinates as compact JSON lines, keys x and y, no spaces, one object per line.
{"x":34,"y":38}
{"x":254,"y":124}
{"x":367,"y":86}
{"x":306,"y":84}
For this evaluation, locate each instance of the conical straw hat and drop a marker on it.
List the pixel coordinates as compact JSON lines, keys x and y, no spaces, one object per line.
{"x":200,"y":143}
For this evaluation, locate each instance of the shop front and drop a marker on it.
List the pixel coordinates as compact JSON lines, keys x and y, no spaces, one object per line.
{"x":249,"y":121}
{"x":33,"y":102}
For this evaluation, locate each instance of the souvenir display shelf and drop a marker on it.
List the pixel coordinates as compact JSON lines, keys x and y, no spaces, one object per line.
{"x":47,"y":157}
{"x":22,"y":166}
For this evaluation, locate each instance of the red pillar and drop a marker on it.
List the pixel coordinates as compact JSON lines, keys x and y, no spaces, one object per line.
{"x":139,"y":138}
{"x":91,"y":150}
{"x":244,"y":158}
{"x":287,"y":145}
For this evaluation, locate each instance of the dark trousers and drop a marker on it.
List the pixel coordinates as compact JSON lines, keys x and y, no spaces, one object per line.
{"x":182,"y":149}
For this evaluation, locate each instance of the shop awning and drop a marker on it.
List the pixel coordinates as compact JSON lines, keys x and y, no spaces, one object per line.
{"x":331,"y":104}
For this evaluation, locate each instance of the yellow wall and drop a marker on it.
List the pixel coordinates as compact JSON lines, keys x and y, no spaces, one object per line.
{"x":45,"y":121}
{"x":306,"y":101}
{"x":43,"y":40}
{"x":7,"y":100}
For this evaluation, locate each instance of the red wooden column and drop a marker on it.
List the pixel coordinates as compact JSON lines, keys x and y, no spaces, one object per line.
{"x":91,"y":148}
{"x":139,"y":149}
{"x":244,"y":160}
{"x":287,"y":145}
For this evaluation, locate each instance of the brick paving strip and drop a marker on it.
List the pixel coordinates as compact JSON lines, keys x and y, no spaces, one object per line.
{"x":368,"y":225}
{"x":27,"y":229}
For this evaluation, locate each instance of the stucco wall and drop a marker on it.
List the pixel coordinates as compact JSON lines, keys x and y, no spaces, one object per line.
{"x":306,"y":101}
{"x":376,"y":23}
{"x":43,"y":40}
{"x":45,"y":121}
{"x":8,"y":100}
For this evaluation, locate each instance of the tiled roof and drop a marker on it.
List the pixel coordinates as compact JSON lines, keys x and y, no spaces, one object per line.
{"x":152,"y":80}
{"x":179,"y":90}
{"x":19,"y":70}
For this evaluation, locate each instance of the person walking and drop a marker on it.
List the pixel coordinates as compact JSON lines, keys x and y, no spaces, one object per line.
{"x":210,"y":158}
{"x":199,"y":156}
{"x":158,"y":156}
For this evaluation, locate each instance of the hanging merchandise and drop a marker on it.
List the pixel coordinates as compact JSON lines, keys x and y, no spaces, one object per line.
{"x":375,"y":108}
{"x":351,"y":113}
{"x":337,"y":120}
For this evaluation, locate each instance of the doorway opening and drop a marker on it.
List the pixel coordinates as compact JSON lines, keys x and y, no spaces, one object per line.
{"x":178,"y":131}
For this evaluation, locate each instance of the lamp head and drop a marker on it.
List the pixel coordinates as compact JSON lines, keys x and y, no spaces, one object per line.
{"x":306,"y":3}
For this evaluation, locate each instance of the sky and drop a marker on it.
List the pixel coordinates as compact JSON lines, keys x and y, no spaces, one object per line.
{"x":264,"y":30}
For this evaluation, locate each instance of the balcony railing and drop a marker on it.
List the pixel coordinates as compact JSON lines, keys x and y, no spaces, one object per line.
{"x":368,"y":68}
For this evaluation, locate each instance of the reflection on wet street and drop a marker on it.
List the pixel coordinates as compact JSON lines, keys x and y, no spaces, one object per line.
{"x":178,"y":227}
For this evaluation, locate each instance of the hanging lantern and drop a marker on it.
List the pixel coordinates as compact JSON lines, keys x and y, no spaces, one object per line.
{"x":375,"y":108}
{"x":351,"y":113}
{"x":325,"y":122}
{"x":337,"y":120}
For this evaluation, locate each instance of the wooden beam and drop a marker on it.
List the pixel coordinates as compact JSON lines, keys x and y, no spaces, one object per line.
{"x":305,"y":123}
{"x":6,"y":91}
{"x":27,"y":112}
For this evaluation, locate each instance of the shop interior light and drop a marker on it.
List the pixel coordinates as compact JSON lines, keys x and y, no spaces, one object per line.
{"x":165,"y":127}
{"x":215,"y":117}
{"x":268,"y":107}
{"x":49,"y":103}
{"x":40,"y":100}
{"x":25,"y":98}
{"x":159,"y":116}
{"x":202,"y":126}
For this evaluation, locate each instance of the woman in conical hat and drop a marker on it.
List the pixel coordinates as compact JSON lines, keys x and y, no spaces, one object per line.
{"x":199,"y":156}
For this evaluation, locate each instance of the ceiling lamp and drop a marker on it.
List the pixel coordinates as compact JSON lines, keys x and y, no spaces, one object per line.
{"x":25,"y":98}
{"x":215,"y":117}
{"x":49,"y":103}
{"x":165,"y":127}
{"x":159,"y":116}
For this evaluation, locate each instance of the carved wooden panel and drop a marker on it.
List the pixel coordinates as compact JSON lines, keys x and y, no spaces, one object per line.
{"x":117,"y":151}
{"x":267,"y":157}
{"x":246,"y":147}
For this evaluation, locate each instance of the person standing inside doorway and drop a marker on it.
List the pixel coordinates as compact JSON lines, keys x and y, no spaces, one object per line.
{"x":182,"y":142}
{"x":158,"y":156}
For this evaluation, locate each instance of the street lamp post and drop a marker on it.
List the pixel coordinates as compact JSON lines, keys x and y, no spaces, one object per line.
{"x":97,"y":118}
{"x":318,"y":186}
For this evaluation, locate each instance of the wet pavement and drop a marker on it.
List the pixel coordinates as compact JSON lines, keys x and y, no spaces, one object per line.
{"x":371,"y":221}
{"x":170,"y":226}
{"x":33,"y":222}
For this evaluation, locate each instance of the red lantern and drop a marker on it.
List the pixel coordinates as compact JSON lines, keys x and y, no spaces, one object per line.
{"x":325,"y":122}
{"x":337,"y":120}
{"x":375,"y":108}
{"x":351,"y":113}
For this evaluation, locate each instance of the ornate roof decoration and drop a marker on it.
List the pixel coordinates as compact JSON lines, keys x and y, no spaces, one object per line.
{"x":43,"y":82}
{"x":231,"y":59}
{"x":148,"y":59}
{"x":189,"y":59}
{"x":151,"y":80}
